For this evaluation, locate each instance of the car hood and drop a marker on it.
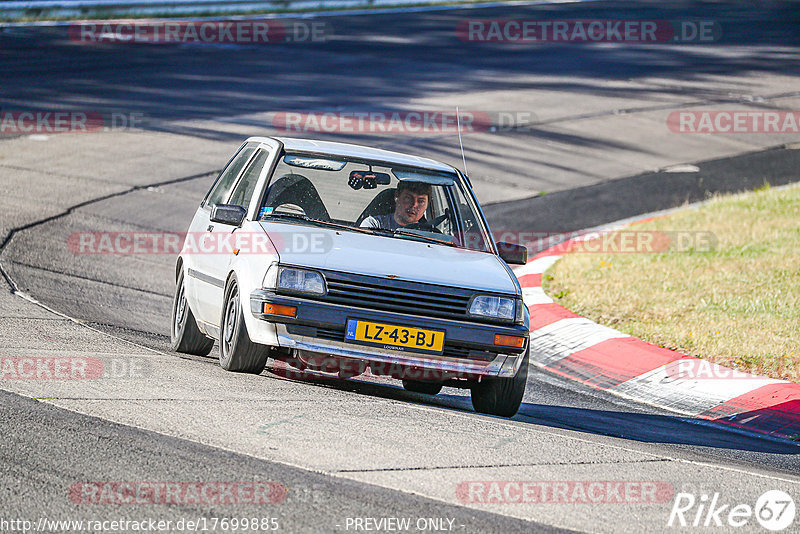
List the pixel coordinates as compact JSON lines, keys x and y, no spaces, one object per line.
{"x":407,"y":259}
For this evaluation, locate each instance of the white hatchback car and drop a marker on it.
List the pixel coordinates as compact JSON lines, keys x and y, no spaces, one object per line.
{"x":344,"y":259}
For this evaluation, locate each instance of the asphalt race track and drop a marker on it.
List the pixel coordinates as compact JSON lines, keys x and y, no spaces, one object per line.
{"x":589,"y":131}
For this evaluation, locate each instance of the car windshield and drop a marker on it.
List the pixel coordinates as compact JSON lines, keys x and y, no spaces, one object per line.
{"x":374,"y":197}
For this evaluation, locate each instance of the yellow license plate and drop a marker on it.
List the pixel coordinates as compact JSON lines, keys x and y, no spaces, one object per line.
{"x":395,"y":337}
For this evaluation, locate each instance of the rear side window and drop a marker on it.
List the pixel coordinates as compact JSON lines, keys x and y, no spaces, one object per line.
{"x":244,"y":189}
{"x":228,"y":177}
{"x":473,"y":234}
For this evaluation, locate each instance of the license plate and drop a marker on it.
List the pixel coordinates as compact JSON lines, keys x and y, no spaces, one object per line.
{"x":395,"y":337}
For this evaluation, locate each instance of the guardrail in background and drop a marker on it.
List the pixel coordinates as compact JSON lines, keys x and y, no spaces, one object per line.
{"x":17,"y":9}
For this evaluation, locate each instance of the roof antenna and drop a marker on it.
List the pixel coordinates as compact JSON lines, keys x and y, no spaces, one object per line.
{"x":463,"y":159}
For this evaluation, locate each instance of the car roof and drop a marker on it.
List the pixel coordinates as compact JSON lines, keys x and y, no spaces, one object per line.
{"x":293,"y":144}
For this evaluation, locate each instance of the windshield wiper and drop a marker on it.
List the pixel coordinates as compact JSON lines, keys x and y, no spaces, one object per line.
{"x":363,"y":230}
{"x":421,"y":236}
{"x":319,"y":222}
{"x":391,"y":233}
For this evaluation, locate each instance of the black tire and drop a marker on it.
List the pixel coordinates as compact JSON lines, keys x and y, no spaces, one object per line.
{"x":428,"y":388}
{"x":185,"y":336}
{"x":236,"y":352}
{"x":501,"y":396}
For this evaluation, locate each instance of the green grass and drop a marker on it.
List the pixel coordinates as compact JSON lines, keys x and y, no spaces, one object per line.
{"x":737,"y":304}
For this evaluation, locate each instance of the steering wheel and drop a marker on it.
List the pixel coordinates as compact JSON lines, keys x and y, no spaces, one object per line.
{"x":424,"y":226}
{"x":430,"y":226}
{"x":292,"y":209}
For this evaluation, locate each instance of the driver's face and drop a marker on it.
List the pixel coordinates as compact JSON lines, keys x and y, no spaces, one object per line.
{"x":409,"y":207}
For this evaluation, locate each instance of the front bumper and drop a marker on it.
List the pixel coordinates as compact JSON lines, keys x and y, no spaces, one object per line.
{"x":319,"y":328}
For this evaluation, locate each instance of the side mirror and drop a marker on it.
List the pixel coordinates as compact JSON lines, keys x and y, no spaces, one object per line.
{"x":513,"y":254}
{"x":228,"y":214}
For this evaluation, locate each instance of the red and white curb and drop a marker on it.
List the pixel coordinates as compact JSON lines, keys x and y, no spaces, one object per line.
{"x":576,"y":348}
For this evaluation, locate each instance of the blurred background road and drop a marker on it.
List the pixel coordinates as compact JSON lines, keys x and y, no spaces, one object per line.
{"x":587,"y":143}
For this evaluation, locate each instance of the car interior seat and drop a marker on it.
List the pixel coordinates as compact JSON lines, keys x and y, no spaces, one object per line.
{"x":382,"y":204}
{"x":296,"y":189}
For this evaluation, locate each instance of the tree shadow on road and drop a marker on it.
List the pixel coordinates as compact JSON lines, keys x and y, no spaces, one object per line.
{"x":629,"y":425}
{"x":652,"y":428}
{"x":383,"y":62}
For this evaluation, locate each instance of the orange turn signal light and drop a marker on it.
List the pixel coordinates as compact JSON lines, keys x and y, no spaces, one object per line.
{"x":280,"y":309}
{"x":509,"y":341}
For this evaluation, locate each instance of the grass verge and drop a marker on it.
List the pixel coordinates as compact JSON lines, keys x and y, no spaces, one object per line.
{"x":722,"y":282}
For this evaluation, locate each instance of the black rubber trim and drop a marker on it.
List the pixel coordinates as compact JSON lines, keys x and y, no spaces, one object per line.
{"x":206,"y":278}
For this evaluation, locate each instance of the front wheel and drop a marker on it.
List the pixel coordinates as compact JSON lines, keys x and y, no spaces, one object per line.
{"x":236,"y":352}
{"x":185,"y":336}
{"x":501,"y":396}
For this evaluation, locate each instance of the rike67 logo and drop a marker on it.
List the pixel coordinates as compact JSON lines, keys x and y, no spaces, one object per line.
{"x":774,"y":510}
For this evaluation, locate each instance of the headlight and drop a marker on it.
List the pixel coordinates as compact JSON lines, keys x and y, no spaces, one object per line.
{"x":492,"y":307}
{"x":301,"y":281}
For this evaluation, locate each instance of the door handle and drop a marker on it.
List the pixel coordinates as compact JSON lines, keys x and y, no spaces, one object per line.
{"x":210,"y":228}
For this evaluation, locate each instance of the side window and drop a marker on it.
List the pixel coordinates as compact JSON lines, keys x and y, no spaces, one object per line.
{"x":473,"y":237}
{"x":437,"y":208}
{"x":223,"y":186}
{"x":247,"y":183}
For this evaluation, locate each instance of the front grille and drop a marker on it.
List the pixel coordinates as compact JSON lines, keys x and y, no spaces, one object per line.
{"x":331,"y":334}
{"x":398,"y":296}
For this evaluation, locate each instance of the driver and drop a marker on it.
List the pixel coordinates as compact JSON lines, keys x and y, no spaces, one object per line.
{"x":410,"y":202}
